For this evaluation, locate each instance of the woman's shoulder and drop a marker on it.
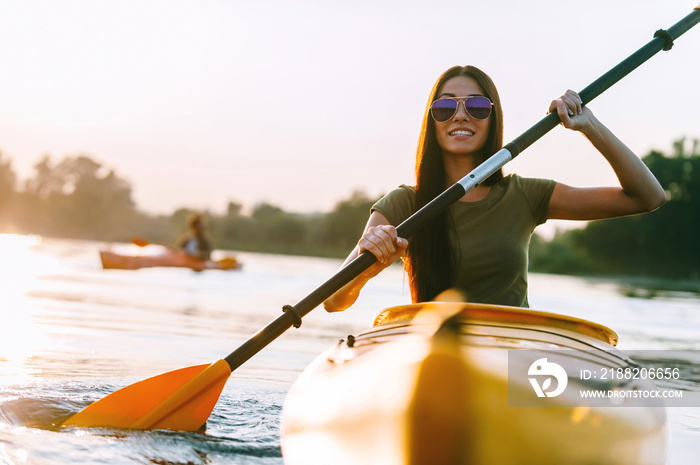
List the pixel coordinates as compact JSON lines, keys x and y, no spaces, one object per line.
{"x":527,"y":184}
{"x":402,"y":193}
{"x":405,"y":190}
{"x":535,"y":191}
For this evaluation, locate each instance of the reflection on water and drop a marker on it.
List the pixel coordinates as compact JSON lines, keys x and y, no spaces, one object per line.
{"x":244,"y":425}
{"x":72,"y":333}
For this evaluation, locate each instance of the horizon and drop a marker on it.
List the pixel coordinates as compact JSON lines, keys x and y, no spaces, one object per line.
{"x":300,"y":105}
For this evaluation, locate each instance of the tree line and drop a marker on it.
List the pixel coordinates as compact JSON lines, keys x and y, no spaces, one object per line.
{"x":79,"y":198}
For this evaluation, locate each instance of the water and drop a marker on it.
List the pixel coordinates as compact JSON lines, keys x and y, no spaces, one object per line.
{"x":71,"y":333}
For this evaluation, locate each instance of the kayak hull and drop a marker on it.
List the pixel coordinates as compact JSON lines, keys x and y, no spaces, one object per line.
{"x":404,"y":394}
{"x":114,"y":261}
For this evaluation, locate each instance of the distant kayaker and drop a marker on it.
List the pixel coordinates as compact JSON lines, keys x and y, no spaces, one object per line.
{"x":480,"y":244}
{"x":196,"y":242}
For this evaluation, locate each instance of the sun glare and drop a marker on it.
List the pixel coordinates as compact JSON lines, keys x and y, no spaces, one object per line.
{"x":18,"y":335}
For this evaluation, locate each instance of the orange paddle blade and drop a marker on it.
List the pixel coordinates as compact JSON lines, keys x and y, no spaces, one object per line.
{"x":141,"y":242}
{"x":178,"y":400}
{"x":228,"y":263}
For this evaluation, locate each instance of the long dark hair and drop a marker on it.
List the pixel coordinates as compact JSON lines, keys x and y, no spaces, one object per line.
{"x":431,"y":260}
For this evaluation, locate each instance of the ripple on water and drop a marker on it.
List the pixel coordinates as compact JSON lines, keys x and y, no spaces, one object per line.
{"x":244,"y":428}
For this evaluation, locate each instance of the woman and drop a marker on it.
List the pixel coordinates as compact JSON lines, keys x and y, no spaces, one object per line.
{"x":195,"y":242}
{"x":480,"y":244}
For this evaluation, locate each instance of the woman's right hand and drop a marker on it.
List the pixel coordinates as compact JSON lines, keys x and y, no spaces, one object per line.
{"x":383,"y":242}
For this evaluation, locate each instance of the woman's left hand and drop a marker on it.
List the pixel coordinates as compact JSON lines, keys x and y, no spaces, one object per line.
{"x":572,"y":113}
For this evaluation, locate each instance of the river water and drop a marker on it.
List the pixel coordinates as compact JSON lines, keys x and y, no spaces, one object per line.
{"x":71,"y":333}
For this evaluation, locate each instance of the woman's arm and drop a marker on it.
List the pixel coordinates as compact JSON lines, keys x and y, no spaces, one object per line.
{"x":381,"y":240}
{"x":639,"y":190}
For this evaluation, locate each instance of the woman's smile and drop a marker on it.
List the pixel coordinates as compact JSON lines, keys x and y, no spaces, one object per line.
{"x":461,"y":133}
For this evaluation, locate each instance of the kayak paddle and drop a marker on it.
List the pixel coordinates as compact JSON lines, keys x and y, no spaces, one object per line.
{"x":140,"y":241}
{"x":183,"y":399}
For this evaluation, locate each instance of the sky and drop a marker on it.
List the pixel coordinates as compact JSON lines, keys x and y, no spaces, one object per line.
{"x":299,"y":103}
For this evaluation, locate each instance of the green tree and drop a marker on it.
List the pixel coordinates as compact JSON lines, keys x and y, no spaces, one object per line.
{"x":78,"y":198}
{"x":8,"y":181}
{"x":279,"y":230}
{"x":344,"y":225}
{"x":100,"y":205}
{"x":560,"y":256}
{"x":663,"y":243}
{"x":234,"y":230}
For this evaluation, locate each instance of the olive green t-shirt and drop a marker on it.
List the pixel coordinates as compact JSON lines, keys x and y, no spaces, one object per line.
{"x":490,"y":237}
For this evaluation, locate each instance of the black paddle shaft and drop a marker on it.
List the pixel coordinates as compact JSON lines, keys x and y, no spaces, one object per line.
{"x":663,"y":40}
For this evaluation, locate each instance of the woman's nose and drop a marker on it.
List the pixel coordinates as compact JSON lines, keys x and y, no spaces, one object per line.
{"x":461,"y":112}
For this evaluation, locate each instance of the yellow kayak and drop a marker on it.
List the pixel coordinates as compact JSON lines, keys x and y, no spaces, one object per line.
{"x":430,"y":384}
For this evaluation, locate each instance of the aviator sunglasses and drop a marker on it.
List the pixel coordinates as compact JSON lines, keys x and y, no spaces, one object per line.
{"x":477,"y":106}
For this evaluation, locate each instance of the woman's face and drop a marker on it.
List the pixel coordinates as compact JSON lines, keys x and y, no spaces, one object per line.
{"x":461,"y":134}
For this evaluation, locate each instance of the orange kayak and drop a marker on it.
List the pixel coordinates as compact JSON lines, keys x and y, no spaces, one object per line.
{"x":171,"y":258}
